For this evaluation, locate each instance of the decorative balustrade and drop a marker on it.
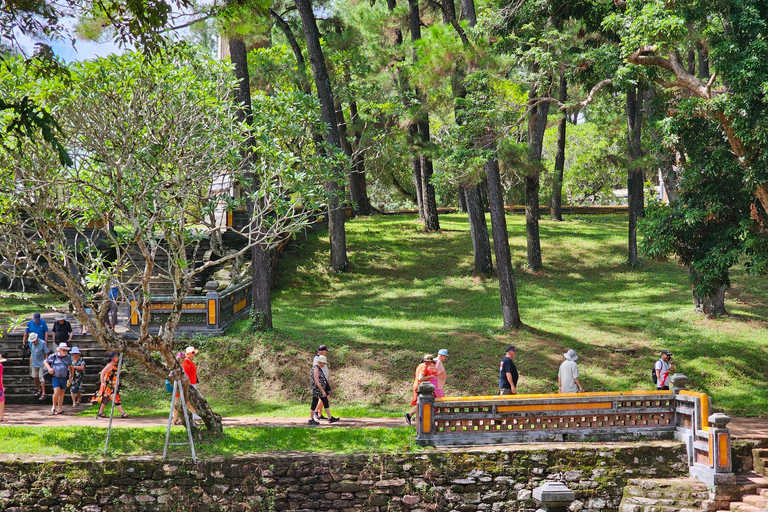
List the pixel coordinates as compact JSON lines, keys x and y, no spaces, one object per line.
{"x":611,"y":416}
{"x":206,"y":314}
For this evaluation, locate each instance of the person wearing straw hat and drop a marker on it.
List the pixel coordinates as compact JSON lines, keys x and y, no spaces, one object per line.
{"x":424,"y":373}
{"x":62,"y":330}
{"x":76,"y":384}
{"x":568,"y":376}
{"x":2,"y":389}
{"x":439,"y":379}
{"x":38,"y":352}
{"x":59,"y":365}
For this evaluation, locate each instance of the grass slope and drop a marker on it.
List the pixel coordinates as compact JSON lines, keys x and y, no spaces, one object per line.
{"x":410,"y":292}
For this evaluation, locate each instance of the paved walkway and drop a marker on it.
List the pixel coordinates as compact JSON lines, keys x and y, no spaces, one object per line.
{"x":35,"y":415}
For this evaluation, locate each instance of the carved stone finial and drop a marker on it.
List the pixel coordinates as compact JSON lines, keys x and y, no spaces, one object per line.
{"x":719,"y":420}
{"x":212,"y":285}
{"x":554,"y":496}
{"x":679,"y":381}
{"x":426,"y":388}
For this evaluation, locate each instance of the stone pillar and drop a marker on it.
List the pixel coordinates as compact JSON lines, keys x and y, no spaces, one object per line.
{"x":679,"y":382}
{"x":554,"y":496}
{"x":720,"y":443}
{"x":212,"y":310}
{"x":426,"y":415}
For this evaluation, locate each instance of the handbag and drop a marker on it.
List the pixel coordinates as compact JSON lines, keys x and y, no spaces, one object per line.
{"x":168,"y":386}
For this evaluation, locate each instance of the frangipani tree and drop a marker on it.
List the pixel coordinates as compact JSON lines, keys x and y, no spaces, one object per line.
{"x":148,"y":138}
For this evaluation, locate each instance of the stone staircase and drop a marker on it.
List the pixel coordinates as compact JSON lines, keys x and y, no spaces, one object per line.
{"x":20,"y":388}
{"x":752,"y":492}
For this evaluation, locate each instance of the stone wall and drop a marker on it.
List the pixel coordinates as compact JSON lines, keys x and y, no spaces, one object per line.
{"x":655,"y":495}
{"x":463,"y":480}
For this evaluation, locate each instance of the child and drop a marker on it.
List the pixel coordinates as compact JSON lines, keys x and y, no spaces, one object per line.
{"x":75,"y":387}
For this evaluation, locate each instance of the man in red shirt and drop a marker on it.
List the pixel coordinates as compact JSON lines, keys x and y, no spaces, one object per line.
{"x":188,"y":365}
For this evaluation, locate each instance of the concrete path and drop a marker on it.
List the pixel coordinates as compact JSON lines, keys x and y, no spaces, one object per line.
{"x":35,"y":415}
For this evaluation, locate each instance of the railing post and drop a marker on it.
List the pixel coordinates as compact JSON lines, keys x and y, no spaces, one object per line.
{"x":134,"y":313}
{"x":212,"y":305}
{"x":720,"y":444}
{"x":679,"y":382}
{"x":425,"y":424}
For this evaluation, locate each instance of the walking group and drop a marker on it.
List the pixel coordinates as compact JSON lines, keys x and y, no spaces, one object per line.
{"x":431,"y":369}
{"x":64,"y":367}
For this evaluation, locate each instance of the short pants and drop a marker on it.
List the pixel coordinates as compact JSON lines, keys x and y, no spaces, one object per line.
{"x":38,"y":373}
{"x":59,"y":383}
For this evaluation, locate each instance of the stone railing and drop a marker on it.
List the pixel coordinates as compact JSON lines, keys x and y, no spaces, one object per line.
{"x":206,"y":314}
{"x":610,"y":416}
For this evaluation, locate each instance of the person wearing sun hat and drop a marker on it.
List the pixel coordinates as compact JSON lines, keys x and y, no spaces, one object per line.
{"x":568,"y":376}
{"x":59,"y":365}
{"x":62,"y":330}
{"x":38,"y":352}
{"x":76,"y":384}
{"x":2,"y":389}
{"x":424,"y":373}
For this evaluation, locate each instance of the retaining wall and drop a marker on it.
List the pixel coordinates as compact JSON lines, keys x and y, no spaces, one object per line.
{"x":499,"y":479}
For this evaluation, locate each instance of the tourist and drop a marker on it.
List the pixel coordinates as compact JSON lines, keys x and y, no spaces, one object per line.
{"x":663,"y":367}
{"x":439,"y":380}
{"x":508,"y":373}
{"x":424,"y":373}
{"x":2,"y":389}
{"x":59,"y":366}
{"x":62,"y":330}
{"x":110,"y":315}
{"x":320,"y":389}
{"x":38,"y":326}
{"x":109,"y":389}
{"x":568,"y":376}
{"x":76,"y":385}
{"x":322,"y":350}
{"x":38,"y":352}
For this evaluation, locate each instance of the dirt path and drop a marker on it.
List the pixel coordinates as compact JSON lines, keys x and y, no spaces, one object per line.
{"x":35,"y":415}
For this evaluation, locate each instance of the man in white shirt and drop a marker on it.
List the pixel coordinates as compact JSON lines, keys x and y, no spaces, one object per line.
{"x":568,"y":376}
{"x":663,"y":368}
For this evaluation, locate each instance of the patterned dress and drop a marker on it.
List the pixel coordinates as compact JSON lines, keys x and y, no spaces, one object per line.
{"x":107,"y":390}
{"x":77,"y":378}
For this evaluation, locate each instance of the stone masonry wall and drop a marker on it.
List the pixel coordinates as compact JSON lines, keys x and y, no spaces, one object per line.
{"x":463,"y":480}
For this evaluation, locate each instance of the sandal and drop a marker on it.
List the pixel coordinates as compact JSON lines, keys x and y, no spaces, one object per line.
{"x":177,"y":422}
{"x":60,"y":412}
{"x":42,"y":397}
{"x":100,"y":415}
{"x":125,"y":415}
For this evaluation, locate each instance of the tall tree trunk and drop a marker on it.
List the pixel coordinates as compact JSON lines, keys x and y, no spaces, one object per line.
{"x":509,"y":308}
{"x":413,"y":133}
{"x":261,"y":262}
{"x":468,"y":12}
{"x":431,"y":221}
{"x":713,"y":306}
{"x":478,"y":229}
{"x":462,"y":200}
{"x":336,"y":216}
{"x":635,"y":199}
{"x":557,"y":187}
{"x":537,"y":124}
{"x":358,"y":188}
{"x":703,"y":60}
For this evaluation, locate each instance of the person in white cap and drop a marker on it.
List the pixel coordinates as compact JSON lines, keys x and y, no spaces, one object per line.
{"x":59,"y":365}
{"x":568,"y":376}
{"x":62,"y":330}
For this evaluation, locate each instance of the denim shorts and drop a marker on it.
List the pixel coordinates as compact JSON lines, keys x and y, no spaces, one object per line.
{"x":59,"y":383}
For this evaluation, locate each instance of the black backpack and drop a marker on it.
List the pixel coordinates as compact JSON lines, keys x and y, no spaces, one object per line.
{"x":653,"y":374}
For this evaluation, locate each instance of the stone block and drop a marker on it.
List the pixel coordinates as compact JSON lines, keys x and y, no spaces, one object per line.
{"x":524,"y":494}
{"x":346,"y":486}
{"x":411,"y":499}
{"x":390,"y":484}
{"x":143,"y":498}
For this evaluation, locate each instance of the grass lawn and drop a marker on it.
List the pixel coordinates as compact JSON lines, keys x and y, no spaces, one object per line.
{"x":17,"y":307}
{"x":89,"y":441}
{"x":410,"y":292}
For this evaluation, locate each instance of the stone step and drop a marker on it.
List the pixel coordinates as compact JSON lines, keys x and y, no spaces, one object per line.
{"x":755,"y":500}
{"x":743,"y":507}
{"x":751,"y":483}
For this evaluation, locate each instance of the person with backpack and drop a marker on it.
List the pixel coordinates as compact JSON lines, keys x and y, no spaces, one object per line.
{"x":662,"y":370}
{"x":59,"y":366}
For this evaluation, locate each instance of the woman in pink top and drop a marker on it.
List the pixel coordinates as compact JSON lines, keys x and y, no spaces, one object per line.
{"x":2,"y":389}
{"x":439,"y":380}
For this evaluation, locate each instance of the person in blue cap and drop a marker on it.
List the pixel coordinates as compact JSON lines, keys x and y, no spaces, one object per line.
{"x":439,"y":380}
